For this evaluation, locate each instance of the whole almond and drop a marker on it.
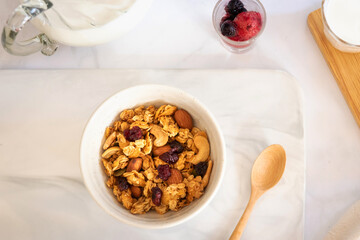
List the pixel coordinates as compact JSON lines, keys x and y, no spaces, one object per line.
{"x":175,"y":178}
{"x":157,"y":151}
{"x":136,"y":192}
{"x":134,"y":164}
{"x":183,"y":119}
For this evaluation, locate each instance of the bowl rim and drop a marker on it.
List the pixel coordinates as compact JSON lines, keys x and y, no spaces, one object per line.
{"x":196,"y":211}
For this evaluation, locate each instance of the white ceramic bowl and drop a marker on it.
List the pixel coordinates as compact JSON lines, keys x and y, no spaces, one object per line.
{"x":93,"y":138}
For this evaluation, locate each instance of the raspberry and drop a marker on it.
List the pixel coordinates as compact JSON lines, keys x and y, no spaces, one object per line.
{"x":122,"y":183}
{"x":248,"y":25}
{"x":200,"y":169}
{"x":164,"y":172}
{"x":169,"y":158}
{"x":228,"y":28}
{"x":133,"y":134}
{"x":156,"y":196}
{"x":234,"y":7}
{"x":176,"y":147}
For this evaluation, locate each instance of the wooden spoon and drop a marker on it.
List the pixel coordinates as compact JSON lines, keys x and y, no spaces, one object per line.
{"x":266,"y":173}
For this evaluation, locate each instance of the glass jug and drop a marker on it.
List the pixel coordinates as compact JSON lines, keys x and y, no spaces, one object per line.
{"x":70,"y":22}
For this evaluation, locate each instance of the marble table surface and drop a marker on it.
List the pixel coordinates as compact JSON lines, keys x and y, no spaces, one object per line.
{"x":179,"y":34}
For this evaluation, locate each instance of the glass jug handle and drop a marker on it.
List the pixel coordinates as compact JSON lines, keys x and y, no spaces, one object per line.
{"x":19,"y":18}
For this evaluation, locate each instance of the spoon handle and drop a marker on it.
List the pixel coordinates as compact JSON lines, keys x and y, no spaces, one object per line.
{"x":239,"y":229}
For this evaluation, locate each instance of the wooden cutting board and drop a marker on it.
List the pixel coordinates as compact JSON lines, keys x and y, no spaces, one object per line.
{"x":344,"y":66}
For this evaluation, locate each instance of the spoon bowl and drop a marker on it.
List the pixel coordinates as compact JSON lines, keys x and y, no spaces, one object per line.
{"x":268,"y":167}
{"x":266,"y":173}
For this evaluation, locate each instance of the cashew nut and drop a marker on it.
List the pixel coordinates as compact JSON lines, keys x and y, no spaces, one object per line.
{"x":109,"y":140}
{"x":110,"y":151}
{"x":160,"y":135}
{"x":201,"y":133}
{"x":206,"y":177}
{"x":202,"y":144}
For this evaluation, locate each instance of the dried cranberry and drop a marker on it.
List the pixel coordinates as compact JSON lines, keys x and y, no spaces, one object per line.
{"x":176,"y":147}
{"x":123,"y":184}
{"x":170,"y":158}
{"x":133,"y":134}
{"x":164,"y":172}
{"x":200,"y":168}
{"x":156,"y":195}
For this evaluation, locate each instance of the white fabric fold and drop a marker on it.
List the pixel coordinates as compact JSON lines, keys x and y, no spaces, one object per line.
{"x":348,"y":227}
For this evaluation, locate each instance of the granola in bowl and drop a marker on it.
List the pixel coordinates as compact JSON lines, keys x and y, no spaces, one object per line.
{"x":156,"y":159}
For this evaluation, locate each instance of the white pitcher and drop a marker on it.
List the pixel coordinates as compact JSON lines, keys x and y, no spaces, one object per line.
{"x":70,"y":22}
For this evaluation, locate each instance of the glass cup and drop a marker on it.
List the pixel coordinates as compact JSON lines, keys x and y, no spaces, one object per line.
{"x":237,"y":46}
{"x":335,"y":40}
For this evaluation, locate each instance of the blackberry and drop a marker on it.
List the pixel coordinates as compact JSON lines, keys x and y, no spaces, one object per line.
{"x":228,"y":28}
{"x":234,"y":7}
{"x":227,"y":17}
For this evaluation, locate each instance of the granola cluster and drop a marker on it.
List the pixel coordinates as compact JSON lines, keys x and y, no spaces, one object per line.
{"x":156,"y":159}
